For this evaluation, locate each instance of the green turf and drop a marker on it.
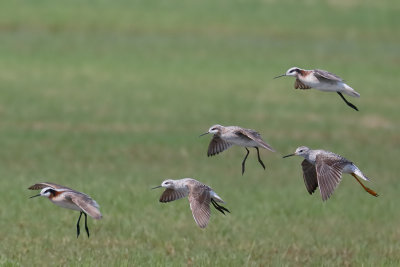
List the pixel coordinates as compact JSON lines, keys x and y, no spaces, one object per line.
{"x":109,"y":97}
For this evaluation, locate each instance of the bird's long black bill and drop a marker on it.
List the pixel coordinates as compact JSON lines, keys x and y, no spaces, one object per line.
{"x":280,"y":76}
{"x":38,"y":195}
{"x":288,"y":156}
{"x":203,"y":134}
{"x":157,"y":187}
{"x":347,"y":102}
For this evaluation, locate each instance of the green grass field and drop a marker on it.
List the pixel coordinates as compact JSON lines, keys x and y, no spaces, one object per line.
{"x":109,"y":98}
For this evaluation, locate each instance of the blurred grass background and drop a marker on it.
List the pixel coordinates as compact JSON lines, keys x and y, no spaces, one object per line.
{"x":109,"y":97}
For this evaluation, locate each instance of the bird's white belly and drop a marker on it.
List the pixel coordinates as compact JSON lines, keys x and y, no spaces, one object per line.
{"x":328,"y":87}
{"x":313,"y":82}
{"x":66,"y":204}
{"x":242,"y":142}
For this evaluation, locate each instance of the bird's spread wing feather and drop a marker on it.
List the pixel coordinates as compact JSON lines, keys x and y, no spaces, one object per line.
{"x":255,"y":136}
{"x":46,"y":184}
{"x":86,"y":203}
{"x":309,"y":176}
{"x":170,"y":195}
{"x":326,"y":75}
{"x":329,"y":174}
{"x":299,"y":85}
{"x":200,"y":205}
{"x":217,"y":145}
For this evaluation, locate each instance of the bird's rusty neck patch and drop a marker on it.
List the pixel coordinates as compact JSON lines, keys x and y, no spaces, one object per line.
{"x":304,"y":72}
{"x":54,"y":194}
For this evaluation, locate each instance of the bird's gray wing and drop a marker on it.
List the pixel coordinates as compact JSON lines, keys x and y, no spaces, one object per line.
{"x":46,"y":184}
{"x":309,"y":176}
{"x":217,"y":145}
{"x":299,"y":85}
{"x":86,"y":203}
{"x":199,"y":200}
{"x":170,"y":195}
{"x":329,"y":173}
{"x":255,"y":136}
{"x":326,"y":75}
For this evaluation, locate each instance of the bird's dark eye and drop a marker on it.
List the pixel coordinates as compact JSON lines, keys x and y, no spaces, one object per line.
{"x":294,"y":70}
{"x":213,"y":129}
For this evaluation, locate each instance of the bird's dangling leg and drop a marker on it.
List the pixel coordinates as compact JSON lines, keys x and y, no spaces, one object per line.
{"x":347,"y":102}
{"x":219,"y":207}
{"x":372,"y":192}
{"x":78,"y":231}
{"x":244,"y":160}
{"x":86,"y":227}
{"x":259,"y":159}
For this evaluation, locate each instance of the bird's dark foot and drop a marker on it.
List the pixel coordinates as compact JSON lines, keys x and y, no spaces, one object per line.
{"x":219,"y":207}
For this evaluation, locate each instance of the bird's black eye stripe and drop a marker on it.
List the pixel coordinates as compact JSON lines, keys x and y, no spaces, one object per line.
{"x":51,"y":191}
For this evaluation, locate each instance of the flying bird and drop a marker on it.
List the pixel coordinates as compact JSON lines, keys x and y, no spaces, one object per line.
{"x":70,"y":199}
{"x":200,"y":196}
{"x":226,"y":136}
{"x":324,"y":169}
{"x":321,"y":80}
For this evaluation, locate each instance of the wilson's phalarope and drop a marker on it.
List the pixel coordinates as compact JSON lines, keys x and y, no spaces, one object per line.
{"x":224,"y":137}
{"x":321,"y":80}
{"x":324,"y":169}
{"x":70,"y":199}
{"x":200,"y":196}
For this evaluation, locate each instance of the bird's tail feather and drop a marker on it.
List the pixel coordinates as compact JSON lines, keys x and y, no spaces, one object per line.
{"x":350,"y":91}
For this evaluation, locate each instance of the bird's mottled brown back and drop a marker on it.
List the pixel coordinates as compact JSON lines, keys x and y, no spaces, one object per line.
{"x":47,"y":184}
{"x":255,"y":136}
{"x":86,"y":203}
{"x":326,"y":76}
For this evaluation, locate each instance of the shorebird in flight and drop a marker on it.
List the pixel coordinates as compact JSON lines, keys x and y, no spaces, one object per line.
{"x":200,"y":197}
{"x":321,"y":80}
{"x":226,"y":136}
{"x":324,"y":169}
{"x":70,"y":199}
